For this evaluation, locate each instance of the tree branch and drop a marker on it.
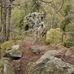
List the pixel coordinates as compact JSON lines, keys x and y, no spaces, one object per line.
{"x":61,"y":6}
{"x":46,"y":1}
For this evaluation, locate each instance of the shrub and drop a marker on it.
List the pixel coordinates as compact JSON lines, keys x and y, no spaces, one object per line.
{"x":17,"y":17}
{"x":54,"y":36}
{"x":69,"y":43}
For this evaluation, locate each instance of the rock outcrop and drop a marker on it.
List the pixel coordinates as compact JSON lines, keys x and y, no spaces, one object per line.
{"x":48,"y":64}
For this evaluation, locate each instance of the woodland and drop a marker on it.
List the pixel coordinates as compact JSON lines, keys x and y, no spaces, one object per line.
{"x":36,"y":36}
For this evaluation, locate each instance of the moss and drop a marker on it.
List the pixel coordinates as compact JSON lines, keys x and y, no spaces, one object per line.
{"x":7,"y":44}
{"x":54,"y":36}
{"x":69,"y":43}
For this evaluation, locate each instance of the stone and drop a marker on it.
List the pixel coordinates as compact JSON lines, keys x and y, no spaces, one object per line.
{"x":38,"y":49}
{"x":15,"y":47}
{"x":49,"y":64}
{"x":13,"y":53}
{"x":66,"y":55}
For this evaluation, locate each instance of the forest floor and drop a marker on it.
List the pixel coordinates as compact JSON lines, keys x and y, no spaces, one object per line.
{"x":66,"y":54}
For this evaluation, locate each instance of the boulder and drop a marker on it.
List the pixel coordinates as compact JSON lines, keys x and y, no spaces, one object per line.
{"x":14,"y":53}
{"x":48,"y":64}
{"x":37,"y":49}
{"x":15,"y":47}
{"x":66,"y":55}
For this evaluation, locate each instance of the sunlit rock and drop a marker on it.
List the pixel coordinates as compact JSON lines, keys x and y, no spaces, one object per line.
{"x":13,"y":53}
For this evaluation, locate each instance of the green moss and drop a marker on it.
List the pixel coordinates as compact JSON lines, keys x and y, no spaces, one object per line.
{"x":54,"y":35}
{"x":69,"y":43}
{"x":7,"y":44}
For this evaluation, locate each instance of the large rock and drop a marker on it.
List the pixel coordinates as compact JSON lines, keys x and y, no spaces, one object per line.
{"x":66,"y":55}
{"x":14,"y":53}
{"x":49,"y":64}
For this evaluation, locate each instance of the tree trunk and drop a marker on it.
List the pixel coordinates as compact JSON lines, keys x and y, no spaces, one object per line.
{"x":8,"y":21}
{"x":3,"y":19}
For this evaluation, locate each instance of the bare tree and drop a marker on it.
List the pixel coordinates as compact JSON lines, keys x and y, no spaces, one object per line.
{"x":8,"y":20}
{"x":5,"y":18}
